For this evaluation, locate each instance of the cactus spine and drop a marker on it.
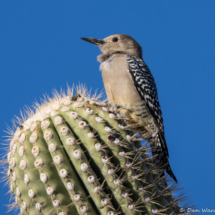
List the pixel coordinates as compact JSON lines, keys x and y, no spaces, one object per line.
{"x":77,"y":155}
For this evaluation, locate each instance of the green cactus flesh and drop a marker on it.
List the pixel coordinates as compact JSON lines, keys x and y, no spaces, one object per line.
{"x":78,"y":156}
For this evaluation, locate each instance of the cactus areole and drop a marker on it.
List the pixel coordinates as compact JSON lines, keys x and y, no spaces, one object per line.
{"x":79,"y":155}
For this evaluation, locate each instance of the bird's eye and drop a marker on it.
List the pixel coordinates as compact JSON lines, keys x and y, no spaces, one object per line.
{"x":115,"y":39}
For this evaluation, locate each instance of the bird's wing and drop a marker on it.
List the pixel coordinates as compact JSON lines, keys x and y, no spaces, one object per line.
{"x":146,"y":87}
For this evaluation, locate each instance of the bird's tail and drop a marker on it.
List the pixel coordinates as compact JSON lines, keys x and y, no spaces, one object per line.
{"x":160,"y":154}
{"x":170,"y":173}
{"x":158,"y":143}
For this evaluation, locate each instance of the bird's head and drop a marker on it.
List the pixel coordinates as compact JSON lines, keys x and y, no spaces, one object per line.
{"x":118,"y":43}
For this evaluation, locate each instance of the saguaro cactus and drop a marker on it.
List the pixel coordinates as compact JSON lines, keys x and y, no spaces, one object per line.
{"x":77,"y":155}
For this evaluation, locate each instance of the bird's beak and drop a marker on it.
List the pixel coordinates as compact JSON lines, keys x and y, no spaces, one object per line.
{"x":97,"y":42}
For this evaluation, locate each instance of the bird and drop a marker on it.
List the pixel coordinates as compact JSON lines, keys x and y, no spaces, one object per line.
{"x":128,"y":82}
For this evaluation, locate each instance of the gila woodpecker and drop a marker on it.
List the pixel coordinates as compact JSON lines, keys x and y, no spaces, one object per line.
{"x":128,"y":82}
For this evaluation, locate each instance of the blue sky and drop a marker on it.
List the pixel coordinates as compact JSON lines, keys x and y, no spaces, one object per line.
{"x":41,"y":50}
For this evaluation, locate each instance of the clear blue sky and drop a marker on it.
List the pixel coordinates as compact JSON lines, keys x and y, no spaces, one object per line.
{"x":40,"y":49}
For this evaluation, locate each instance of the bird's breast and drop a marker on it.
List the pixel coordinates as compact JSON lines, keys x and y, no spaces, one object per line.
{"x":118,"y":83}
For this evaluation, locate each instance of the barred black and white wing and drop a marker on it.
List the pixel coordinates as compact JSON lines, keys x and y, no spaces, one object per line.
{"x":146,"y":87}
